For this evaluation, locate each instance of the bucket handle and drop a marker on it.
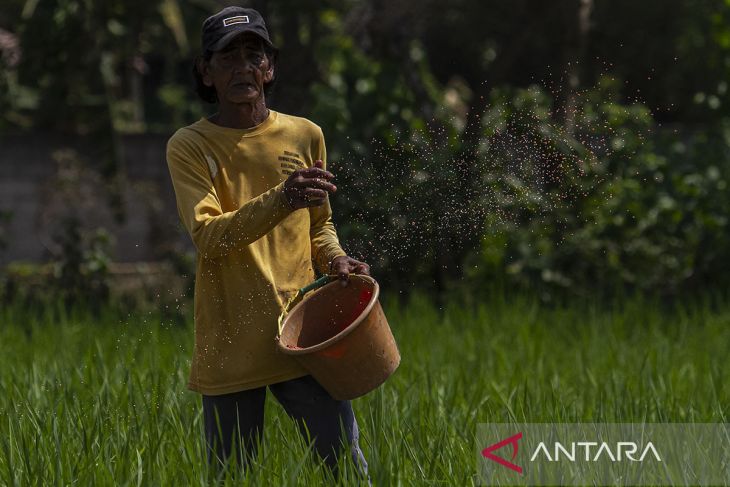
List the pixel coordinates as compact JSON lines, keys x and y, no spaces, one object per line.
{"x":316,"y":284}
{"x":326,"y":279}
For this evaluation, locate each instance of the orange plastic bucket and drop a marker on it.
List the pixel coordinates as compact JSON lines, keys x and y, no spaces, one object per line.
{"x":341,"y":337}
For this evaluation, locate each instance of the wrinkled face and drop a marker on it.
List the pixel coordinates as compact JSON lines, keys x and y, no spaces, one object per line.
{"x":239,"y":71}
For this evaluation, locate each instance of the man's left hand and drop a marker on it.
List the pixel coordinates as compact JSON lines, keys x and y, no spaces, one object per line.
{"x":342,"y":266}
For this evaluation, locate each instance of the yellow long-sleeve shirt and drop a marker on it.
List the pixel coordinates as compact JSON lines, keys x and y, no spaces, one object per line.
{"x":253,"y":251}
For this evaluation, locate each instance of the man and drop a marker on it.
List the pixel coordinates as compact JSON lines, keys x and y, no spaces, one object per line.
{"x":252,"y":191}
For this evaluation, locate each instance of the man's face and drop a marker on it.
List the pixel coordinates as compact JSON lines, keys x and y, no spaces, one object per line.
{"x":240,"y":70}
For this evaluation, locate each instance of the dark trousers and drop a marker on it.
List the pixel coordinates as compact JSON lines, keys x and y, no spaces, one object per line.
{"x":234,"y":422}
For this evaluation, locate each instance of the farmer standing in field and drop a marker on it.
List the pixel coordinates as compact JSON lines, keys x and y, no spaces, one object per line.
{"x":252,"y":191}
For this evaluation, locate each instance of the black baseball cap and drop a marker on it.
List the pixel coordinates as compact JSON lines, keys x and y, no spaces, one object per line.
{"x":221,"y":28}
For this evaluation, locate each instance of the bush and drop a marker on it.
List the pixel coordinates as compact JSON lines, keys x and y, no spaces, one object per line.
{"x":622,"y":203}
{"x":81,"y":270}
{"x":78,"y":247}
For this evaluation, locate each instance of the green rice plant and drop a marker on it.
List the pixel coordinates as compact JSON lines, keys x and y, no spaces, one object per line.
{"x":101,"y":399}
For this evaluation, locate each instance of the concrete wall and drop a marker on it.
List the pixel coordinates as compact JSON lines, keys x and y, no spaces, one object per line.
{"x":29,"y":191}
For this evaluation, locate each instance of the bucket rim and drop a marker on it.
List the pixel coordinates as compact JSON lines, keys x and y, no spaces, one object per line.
{"x":342,"y":334}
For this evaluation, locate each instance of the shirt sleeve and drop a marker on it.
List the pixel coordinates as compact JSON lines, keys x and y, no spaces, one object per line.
{"x":216,"y":233}
{"x":325,"y":244}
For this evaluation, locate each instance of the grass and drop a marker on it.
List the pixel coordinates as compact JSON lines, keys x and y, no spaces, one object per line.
{"x":102,"y":401}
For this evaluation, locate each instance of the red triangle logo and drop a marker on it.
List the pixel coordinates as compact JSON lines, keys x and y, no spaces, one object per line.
{"x":512,"y":440}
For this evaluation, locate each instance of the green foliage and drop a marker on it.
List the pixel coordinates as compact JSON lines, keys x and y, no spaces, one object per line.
{"x":81,"y":270}
{"x":78,"y":275}
{"x":395,"y":155}
{"x":444,"y":143}
{"x":82,"y":63}
{"x":79,"y":248}
{"x":628,"y":204}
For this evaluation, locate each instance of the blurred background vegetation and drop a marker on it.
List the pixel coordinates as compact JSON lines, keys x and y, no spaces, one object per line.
{"x":576,"y":147}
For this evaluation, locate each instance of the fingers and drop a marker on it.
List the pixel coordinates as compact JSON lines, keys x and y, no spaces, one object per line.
{"x":309,"y":187}
{"x":344,"y":277}
{"x":303,"y":182}
{"x":341,"y":268}
{"x":320,"y":184}
{"x":314,"y":197}
{"x":362,"y":268}
{"x":311,"y":194}
{"x":304,"y":197}
{"x":315,"y":172}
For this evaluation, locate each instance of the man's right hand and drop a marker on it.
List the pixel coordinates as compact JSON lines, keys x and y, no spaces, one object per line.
{"x":309,"y":187}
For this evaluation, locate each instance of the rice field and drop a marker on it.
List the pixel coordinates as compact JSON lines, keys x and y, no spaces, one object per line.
{"x":102,"y":400}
